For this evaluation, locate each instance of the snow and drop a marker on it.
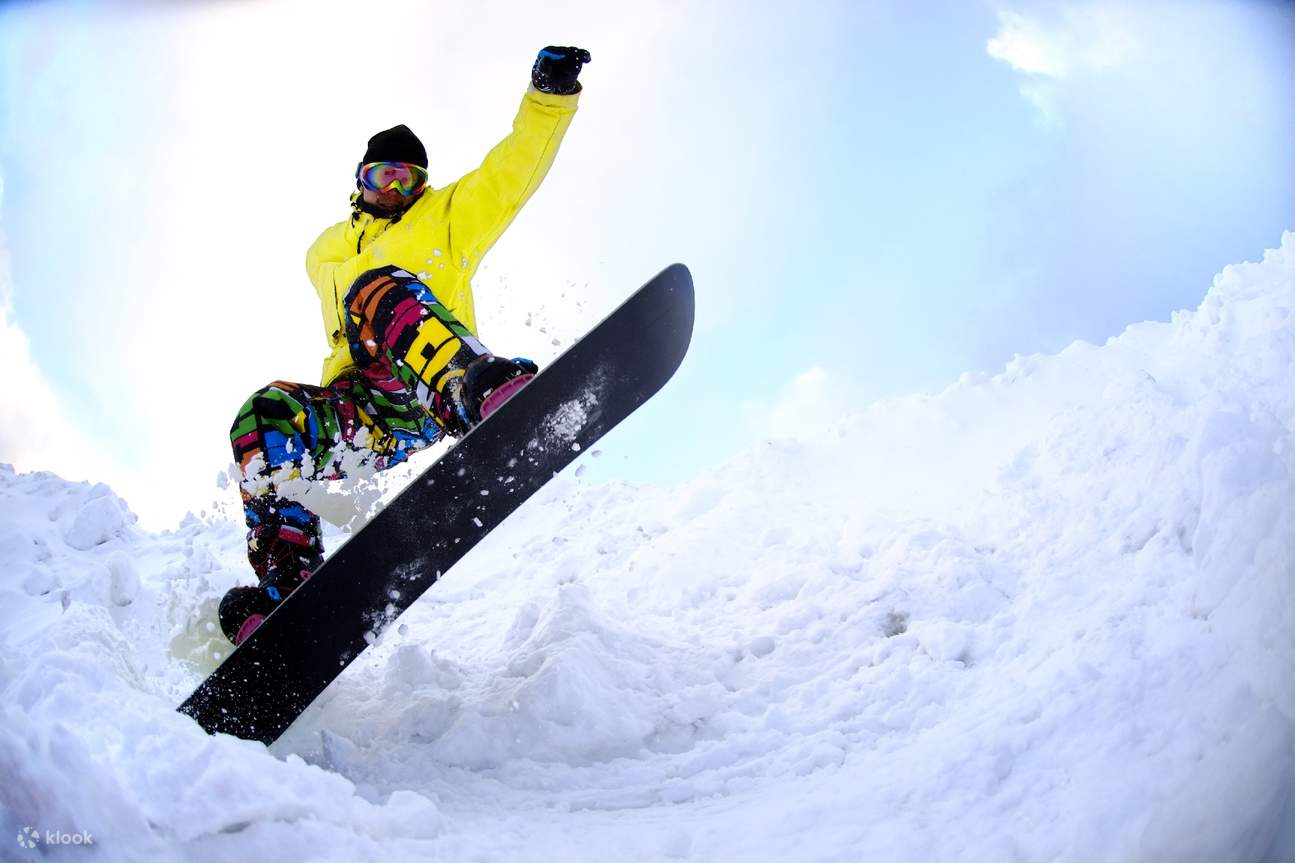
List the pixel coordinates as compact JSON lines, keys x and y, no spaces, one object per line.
{"x":1048,"y":615}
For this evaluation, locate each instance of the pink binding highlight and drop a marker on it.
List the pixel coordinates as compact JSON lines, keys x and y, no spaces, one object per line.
{"x":503,"y":393}
{"x":249,"y":626}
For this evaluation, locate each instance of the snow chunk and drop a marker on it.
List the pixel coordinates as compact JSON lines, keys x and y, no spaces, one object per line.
{"x":98,"y":521}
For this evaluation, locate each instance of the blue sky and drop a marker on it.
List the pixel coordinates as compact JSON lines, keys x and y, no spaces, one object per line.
{"x":883,"y":195}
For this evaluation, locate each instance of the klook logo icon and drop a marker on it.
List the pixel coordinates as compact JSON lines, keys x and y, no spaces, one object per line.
{"x":30,"y":837}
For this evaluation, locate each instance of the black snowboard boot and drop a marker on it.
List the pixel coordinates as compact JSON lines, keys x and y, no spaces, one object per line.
{"x":284,"y":546}
{"x":243,"y":609}
{"x":485,"y":385}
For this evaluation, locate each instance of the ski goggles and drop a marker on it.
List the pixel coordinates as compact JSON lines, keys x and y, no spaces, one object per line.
{"x":404,"y":177}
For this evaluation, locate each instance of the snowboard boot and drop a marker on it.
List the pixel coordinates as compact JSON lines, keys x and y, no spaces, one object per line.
{"x":482,"y":389}
{"x":243,"y":609}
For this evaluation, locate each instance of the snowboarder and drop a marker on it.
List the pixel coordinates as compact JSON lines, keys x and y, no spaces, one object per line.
{"x":405,"y":366}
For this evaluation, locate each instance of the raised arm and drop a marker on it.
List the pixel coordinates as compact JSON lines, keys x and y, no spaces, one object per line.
{"x":487,"y":200}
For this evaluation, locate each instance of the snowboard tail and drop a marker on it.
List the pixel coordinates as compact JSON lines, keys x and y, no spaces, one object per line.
{"x":328,"y":621}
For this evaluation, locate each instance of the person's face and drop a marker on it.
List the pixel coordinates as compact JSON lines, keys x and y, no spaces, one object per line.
{"x":391,"y":199}
{"x":391,"y":185}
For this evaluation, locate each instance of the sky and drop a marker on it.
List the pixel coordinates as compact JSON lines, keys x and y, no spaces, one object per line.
{"x":874,"y":199}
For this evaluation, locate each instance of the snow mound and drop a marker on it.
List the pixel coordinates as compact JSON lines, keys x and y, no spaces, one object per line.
{"x":1045,"y":615}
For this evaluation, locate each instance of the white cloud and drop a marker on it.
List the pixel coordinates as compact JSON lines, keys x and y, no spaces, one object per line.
{"x":809,"y":409}
{"x":38,"y":432}
{"x":1060,"y":43}
{"x":45,"y":430}
{"x":1027,"y":46}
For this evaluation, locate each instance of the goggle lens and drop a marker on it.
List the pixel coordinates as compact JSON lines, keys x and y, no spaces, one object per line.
{"x":404,"y":177}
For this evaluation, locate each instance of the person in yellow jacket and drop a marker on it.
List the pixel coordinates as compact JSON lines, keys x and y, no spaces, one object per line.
{"x":404,"y":363}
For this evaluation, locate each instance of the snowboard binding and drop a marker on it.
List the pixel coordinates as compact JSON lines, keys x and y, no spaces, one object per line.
{"x":482,"y":389}
{"x":244,"y":608}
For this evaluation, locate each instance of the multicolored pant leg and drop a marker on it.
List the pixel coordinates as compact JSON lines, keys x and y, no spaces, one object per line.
{"x":407,"y":347}
{"x":404,"y":341}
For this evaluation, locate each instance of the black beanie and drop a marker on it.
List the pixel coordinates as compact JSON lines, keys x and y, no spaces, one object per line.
{"x":396,"y":144}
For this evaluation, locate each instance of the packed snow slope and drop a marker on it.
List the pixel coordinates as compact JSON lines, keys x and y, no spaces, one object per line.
{"x":1043,"y":616}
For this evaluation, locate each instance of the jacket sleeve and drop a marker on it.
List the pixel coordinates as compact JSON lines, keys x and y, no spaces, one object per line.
{"x":333,"y":265}
{"x":485,"y":201}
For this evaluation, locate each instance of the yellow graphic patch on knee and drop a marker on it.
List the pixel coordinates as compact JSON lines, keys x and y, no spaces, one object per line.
{"x":436,"y":340}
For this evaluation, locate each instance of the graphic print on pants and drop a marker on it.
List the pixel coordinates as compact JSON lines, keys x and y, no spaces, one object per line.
{"x":407,"y":348}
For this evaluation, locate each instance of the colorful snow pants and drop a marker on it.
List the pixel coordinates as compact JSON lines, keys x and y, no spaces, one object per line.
{"x":406,"y":347}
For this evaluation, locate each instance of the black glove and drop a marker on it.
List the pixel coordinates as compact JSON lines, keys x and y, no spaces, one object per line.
{"x":556,"y":70}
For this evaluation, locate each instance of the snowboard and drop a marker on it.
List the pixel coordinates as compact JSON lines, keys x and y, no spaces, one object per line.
{"x":312,"y":636}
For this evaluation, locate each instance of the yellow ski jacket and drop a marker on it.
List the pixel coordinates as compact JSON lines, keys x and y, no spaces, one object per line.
{"x":443,"y":236}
